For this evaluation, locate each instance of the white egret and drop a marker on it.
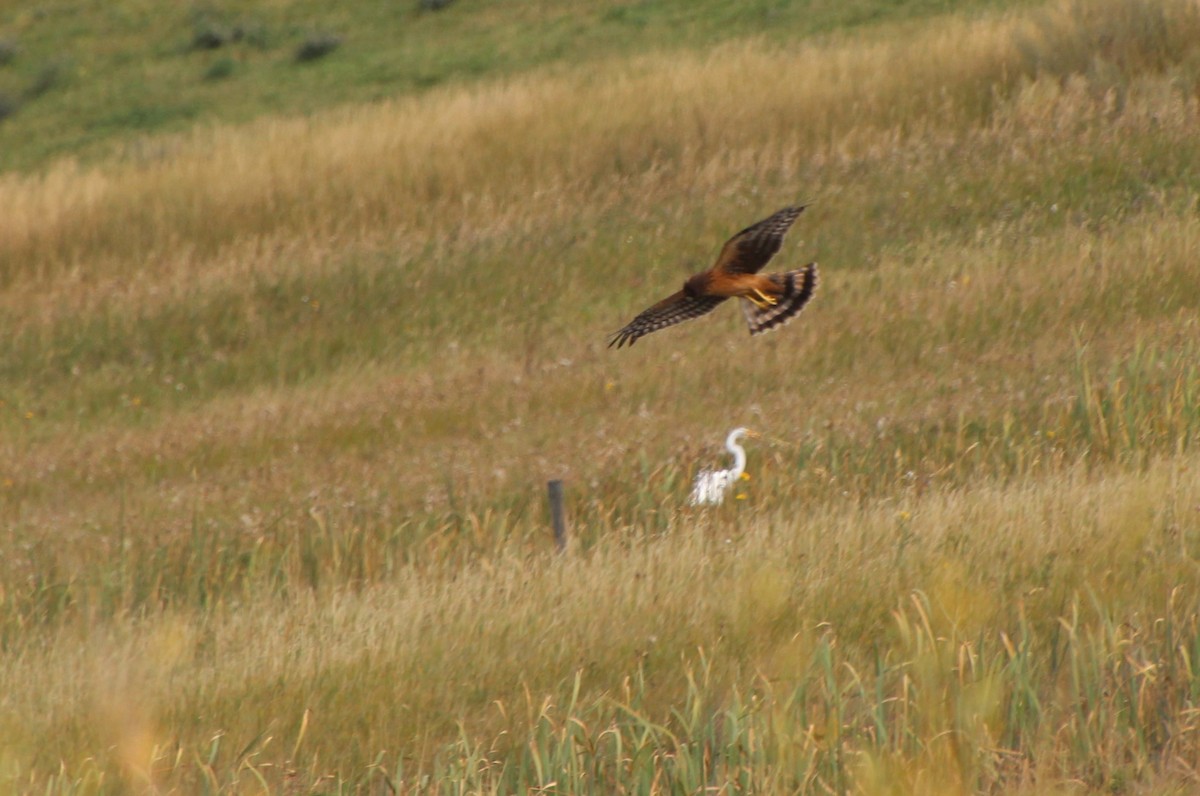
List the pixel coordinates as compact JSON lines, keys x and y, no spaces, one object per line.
{"x":711,"y":485}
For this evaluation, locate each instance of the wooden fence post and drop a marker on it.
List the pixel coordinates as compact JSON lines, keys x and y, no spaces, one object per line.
{"x":557,"y":516}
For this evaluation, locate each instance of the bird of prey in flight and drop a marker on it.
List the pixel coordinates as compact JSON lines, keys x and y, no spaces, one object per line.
{"x":768,"y":300}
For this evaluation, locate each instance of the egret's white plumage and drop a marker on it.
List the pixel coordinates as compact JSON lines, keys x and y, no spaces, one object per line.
{"x":711,"y":485}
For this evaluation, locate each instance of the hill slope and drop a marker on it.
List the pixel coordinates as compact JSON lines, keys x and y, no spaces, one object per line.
{"x":280,"y":404}
{"x":90,"y":80}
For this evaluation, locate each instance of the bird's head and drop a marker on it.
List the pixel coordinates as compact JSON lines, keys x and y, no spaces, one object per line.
{"x":738,"y":433}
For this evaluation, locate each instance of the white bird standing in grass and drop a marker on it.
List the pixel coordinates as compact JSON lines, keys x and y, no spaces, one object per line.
{"x":711,"y":485}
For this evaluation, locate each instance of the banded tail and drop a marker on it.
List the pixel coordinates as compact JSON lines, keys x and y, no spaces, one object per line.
{"x":798,"y":288}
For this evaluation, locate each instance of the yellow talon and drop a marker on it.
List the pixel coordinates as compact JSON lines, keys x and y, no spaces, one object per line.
{"x":763,"y":301}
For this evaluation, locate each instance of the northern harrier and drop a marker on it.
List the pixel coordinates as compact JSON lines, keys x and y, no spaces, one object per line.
{"x":768,"y":300}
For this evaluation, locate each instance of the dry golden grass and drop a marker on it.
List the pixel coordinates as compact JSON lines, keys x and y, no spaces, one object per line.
{"x":377,"y":665}
{"x":280,"y":406}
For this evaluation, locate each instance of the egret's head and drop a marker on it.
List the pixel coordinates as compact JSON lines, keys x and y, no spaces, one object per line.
{"x":738,"y":433}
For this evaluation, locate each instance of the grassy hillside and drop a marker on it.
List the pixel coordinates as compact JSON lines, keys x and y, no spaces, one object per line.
{"x":279,"y":406}
{"x":94,"y":79}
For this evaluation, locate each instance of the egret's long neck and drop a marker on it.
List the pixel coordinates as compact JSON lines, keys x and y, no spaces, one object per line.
{"x":739,"y":456}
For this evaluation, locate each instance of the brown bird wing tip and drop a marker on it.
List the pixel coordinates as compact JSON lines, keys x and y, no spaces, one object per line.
{"x":620,"y":339}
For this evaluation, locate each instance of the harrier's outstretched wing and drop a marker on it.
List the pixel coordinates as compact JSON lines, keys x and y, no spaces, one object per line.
{"x":676,"y":308}
{"x":749,"y":250}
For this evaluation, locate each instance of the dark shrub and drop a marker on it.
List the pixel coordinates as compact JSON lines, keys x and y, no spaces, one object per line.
{"x":47,"y":78}
{"x":8,"y":51}
{"x":219,"y":69}
{"x":210,"y":35}
{"x":8,"y":106}
{"x":317,"y":46}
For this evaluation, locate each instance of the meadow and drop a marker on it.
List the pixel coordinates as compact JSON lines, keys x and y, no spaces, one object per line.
{"x":280,"y":398}
{"x":105,"y":81}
